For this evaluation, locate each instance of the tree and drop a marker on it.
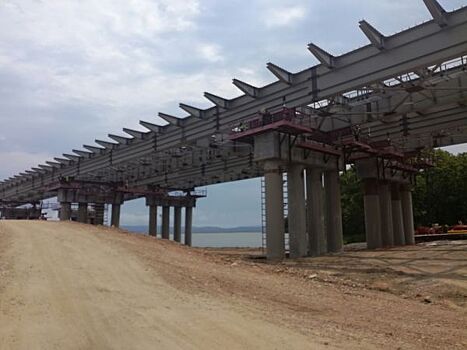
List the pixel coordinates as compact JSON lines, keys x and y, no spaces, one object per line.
{"x":352,"y":207}
{"x":440,"y":193}
{"x":439,"y":196}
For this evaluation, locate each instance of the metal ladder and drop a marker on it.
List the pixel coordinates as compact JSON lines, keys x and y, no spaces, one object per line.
{"x":263,"y":211}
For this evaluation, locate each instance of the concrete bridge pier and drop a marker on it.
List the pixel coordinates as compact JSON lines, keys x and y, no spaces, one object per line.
{"x":188,"y":225}
{"x":153,"y":220}
{"x":99,"y":213}
{"x":65,"y":211}
{"x":275,"y":224}
{"x":151,"y":203}
{"x":334,"y":231}
{"x":165,"y":222}
{"x":397,"y":218}
{"x":385,"y":202}
{"x":116,"y":209}
{"x":298,"y":240}
{"x":407,"y":213}
{"x":115,"y":220}
{"x":177,"y":224}
{"x":315,"y":212}
{"x":371,"y":202}
{"x":83,"y":212}
{"x":65,"y":198}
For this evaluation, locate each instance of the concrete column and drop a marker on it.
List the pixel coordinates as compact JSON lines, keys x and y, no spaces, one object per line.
{"x":397,"y":220}
{"x":332,"y":190}
{"x":372,"y":214}
{"x":165,"y":222}
{"x":65,"y":211}
{"x":115,"y":220}
{"x":153,"y":220}
{"x":407,"y":214}
{"x":99,"y":213}
{"x":177,"y":224}
{"x":315,"y":212}
{"x":83,"y":212}
{"x":275,"y":224}
{"x":387,"y":235}
{"x":188,"y":225}
{"x":298,"y":241}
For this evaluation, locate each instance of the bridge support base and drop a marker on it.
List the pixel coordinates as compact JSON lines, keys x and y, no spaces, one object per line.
{"x":65,"y":211}
{"x":297,"y":212}
{"x":188,"y":225}
{"x":315,"y":212}
{"x":333,"y":212}
{"x":275,"y":224}
{"x":165,"y":222}
{"x":387,"y":235}
{"x":407,"y":212}
{"x":178,"y":224}
{"x":397,"y":219}
{"x":115,"y":215}
{"x":83,"y":212}
{"x":372,"y":214}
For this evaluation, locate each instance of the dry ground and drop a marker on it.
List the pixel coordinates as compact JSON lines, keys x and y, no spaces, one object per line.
{"x":73,"y":286}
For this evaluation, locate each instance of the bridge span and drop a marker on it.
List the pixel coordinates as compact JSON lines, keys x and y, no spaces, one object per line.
{"x":379,"y":108}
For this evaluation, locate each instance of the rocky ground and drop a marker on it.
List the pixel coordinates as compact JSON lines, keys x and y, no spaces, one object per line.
{"x":74,"y":286}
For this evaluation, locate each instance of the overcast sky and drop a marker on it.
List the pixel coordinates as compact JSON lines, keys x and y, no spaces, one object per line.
{"x":74,"y":71}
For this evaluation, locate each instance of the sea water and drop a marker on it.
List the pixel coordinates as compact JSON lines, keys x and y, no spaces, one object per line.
{"x":213,"y":239}
{"x":235,"y":239}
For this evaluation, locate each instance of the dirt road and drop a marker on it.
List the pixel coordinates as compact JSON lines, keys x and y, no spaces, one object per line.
{"x":73,"y":286}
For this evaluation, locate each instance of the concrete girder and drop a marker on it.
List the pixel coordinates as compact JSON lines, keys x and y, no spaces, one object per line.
{"x":45,"y":167}
{"x":375,"y":37}
{"x":152,"y":127}
{"x":172,"y":120}
{"x":135,"y":133}
{"x":83,"y":154}
{"x":192,"y":111}
{"x":246,"y":88}
{"x":322,"y":56}
{"x":120,"y":139}
{"x":55,"y":165}
{"x":218,"y":101}
{"x":72,"y":157}
{"x":107,"y":145}
{"x":280,"y":73}
{"x":438,"y":13}
{"x":93,"y":149}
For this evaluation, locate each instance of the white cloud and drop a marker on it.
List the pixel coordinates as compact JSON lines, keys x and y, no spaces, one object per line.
{"x":284,"y":16}
{"x":16,"y":162}
{"x":210,"y":52}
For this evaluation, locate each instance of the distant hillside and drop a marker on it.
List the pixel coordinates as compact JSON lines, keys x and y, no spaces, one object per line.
{"x":200,"y":229}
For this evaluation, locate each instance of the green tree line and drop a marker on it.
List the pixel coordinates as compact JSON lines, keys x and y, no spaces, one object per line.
{"x":439,"y":196}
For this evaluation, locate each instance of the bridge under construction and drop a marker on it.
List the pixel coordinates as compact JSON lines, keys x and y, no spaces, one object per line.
{"x":379,"y":108}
